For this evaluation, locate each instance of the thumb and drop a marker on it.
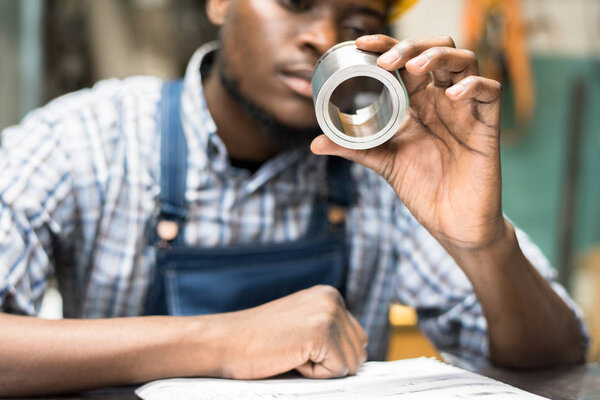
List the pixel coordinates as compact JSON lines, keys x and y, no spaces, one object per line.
{"x":324,"y":146}
{"x":371,"y":158}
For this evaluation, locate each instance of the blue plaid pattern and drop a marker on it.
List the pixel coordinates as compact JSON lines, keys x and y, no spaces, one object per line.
{"x":79,"y":184}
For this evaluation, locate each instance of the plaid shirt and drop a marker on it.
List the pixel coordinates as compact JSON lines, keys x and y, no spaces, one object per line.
{"x":79,"y":184}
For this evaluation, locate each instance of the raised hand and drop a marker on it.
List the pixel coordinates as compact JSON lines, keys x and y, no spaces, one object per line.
{"x":444,"y":162}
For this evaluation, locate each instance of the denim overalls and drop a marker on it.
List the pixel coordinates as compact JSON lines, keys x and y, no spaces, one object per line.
{"x":194,"y":281}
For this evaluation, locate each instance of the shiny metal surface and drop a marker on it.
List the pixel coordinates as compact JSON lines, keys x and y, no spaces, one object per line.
{"x":359,"y":105}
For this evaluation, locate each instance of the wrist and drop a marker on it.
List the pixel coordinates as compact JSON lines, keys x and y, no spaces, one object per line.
{"x":495,"y":252}
{"x":214,"y":344}
{"x":227,"y":345}
{"x":196,"y":347}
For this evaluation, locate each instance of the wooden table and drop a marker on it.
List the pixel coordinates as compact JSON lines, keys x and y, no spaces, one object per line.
{"x":563,"y":383}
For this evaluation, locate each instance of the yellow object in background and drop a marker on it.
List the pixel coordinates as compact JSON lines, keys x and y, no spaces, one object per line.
{"x":401,"y":315}
{"x":586,"y":281}
{"x":496,"y":31}
{"x":400,"y":8}
{"x":406,"y":340}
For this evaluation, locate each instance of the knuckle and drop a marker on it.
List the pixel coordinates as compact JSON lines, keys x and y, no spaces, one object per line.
{"x":405,"y":46}
{"x":326,"y":318}
{"x":448,"y":40}
{"x":339,"y":300}
{"x":498,"y":86}
{"x":332,"y":294}
{"x":324,"y":288}
{"x":470,"y":54}
{"x":321,"y":327}
{"x":435,"y":52}
{"x":480,"y":83}
{"x":410,"y":42}
{"x":332,"y":329}
{"x":472,"y":80}
{"x":440,"y":53}
{"x":329,"y":310}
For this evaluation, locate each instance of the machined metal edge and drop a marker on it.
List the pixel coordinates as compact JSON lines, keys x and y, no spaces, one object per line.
{"x":345,"y":61}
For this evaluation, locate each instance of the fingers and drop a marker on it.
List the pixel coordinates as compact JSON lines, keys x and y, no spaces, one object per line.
{"x":476,"y":88}
{"x":396,"y":54}
{"x":329,"y":359}
{"x":352,"y":350}
{"x":354,"y":343}
{"x":423,"y":59}
{"x":360,"y":339}
{"x":341,"y":355}
{"x":376,"y":43}
{"x":338,"y":344}
{"x":448,"y":65}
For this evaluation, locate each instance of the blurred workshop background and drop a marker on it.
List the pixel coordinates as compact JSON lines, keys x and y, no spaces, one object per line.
{"x":545,"y":52}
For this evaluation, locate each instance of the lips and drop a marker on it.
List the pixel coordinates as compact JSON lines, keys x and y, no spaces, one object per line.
{"x":298,"y":80}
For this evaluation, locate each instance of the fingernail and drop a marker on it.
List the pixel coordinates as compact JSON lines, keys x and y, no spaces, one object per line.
{"x":369,"y":38}
{"x":455,"y":90}
{"x":390,"y":57}
{"x":419,"y":61}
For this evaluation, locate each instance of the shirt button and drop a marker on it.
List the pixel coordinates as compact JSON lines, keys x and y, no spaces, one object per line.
{"x":167,"y":230}
{"x":336,"y":215}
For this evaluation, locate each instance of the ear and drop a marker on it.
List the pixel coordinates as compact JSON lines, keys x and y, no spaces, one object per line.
{"x":216,"y":11}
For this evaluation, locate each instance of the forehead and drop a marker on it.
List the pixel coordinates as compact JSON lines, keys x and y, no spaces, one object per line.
{"x":382,"y":6}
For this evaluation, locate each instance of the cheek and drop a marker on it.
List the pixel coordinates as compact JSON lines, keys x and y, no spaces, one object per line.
{"x":254,"y":42}
{"x":251,"y":38}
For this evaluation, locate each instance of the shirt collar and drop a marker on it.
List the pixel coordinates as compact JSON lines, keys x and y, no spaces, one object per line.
{"x":198,"y":124}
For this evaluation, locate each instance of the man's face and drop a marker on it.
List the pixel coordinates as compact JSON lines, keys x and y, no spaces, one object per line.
{"x":270,"y":48}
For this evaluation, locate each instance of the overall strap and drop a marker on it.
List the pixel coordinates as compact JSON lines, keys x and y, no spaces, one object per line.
{"x":340,"y":190}
{"x":329,"y":212}
{"x":173,"y":164}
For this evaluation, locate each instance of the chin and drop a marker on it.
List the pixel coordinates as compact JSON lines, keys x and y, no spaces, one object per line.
{"x":302,"y":117}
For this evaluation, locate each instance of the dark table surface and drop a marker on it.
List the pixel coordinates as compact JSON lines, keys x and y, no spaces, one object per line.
{"x":562,"y":383}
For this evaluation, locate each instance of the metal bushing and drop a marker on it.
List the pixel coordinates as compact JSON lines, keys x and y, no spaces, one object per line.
{"x":359,"y":105}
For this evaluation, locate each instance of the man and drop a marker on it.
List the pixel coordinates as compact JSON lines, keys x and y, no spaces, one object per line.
{"x":81,"y":196}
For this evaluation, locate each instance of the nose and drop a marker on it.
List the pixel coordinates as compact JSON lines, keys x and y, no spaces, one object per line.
{"x":319,"y":35}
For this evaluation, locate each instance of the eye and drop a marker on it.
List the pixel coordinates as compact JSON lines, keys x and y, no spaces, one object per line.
{"x":296,"y":5}
{"x":356,"y":31}
{"x":362,"y":22}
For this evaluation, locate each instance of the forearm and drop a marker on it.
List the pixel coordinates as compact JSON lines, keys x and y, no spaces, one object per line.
{"x":43,"y":357}
{"x":310,"y":330}
{"x":529,"y":325}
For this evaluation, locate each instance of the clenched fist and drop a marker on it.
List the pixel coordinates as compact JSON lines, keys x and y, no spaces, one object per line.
{"x":310,"y":331}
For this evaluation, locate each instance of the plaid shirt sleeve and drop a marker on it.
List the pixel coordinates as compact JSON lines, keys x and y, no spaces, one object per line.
{"x":429,"y":280}
{"x":36,"y":206}
{"x":77,"y":187}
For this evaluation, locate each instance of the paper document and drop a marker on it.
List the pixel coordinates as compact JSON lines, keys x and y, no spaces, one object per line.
{"x":419,"y":378}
